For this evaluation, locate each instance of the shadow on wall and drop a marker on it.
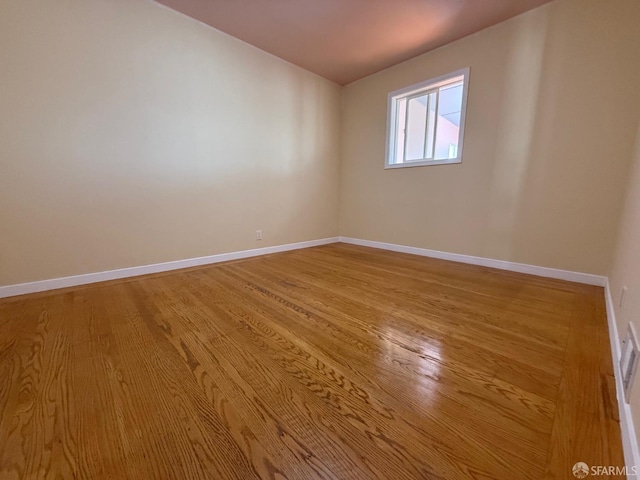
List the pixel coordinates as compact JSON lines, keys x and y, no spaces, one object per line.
{"x":514,"y":141}
{"x":563,"y":124}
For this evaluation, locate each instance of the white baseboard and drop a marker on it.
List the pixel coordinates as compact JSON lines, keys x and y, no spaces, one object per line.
{"x":567,"y":275}
{"x":76,"y":280}
{"x":629,"y":438}
{"x":55,"y":283}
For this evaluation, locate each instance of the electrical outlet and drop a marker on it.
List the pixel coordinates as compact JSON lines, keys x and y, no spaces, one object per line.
{"x":623,"y":293}
{"x":258,"y":234}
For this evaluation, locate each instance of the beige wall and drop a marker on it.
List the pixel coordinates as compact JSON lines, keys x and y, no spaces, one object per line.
{"x":550,"y":124}
{"x":130,"y":134}
{"x":626,"y":267}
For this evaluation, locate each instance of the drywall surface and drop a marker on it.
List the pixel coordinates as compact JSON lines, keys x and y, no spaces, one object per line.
{"x":551,"y":118}
{"x":131,"y":135}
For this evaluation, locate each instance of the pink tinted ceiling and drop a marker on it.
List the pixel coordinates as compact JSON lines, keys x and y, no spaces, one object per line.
{"x":344,"y":40}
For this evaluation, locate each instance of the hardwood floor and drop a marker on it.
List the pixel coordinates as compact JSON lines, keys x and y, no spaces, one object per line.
{"x":331,"y":362}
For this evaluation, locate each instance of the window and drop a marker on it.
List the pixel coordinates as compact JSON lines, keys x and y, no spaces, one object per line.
{"x":426,"y":122}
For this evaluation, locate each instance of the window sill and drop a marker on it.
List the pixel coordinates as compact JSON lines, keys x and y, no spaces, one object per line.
{"x":423,"y":164}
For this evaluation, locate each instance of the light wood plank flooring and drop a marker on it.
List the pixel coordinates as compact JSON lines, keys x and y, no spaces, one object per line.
{"x":331,"y":362}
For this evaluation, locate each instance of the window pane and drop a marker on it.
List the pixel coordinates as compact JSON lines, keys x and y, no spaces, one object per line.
{"x":431,"y":124}
{"x":401,"y":110}
{"x":416,"y":128}
{"x":448,"y":128}
{"x":450,"y":98}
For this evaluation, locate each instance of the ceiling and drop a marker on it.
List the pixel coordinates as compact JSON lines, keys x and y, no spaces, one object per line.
{"x":344,"y":40}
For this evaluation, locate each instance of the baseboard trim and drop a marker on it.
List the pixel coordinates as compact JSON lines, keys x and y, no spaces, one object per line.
{"x":629,"y":438}
{"x":567,"y":275}
{"x":76,"y":280}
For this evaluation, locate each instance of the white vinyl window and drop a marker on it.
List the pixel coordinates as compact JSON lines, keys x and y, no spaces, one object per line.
{"x":426,"y":122}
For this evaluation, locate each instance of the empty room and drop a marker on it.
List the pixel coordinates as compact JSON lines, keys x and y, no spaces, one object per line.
{"x":337,"y":239}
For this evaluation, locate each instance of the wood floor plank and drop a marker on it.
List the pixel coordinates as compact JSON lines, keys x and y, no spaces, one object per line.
{"x":586,"y":428}
{"x":256,"y":430}
{"x":327,"y":363}
{"x":391,"y":368}
{"x":477,"y":325}
{"x":371,"y":317}
{"x":400,"y":362}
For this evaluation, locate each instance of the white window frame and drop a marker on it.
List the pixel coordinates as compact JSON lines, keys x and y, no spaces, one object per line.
{"x":420,"y":89}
